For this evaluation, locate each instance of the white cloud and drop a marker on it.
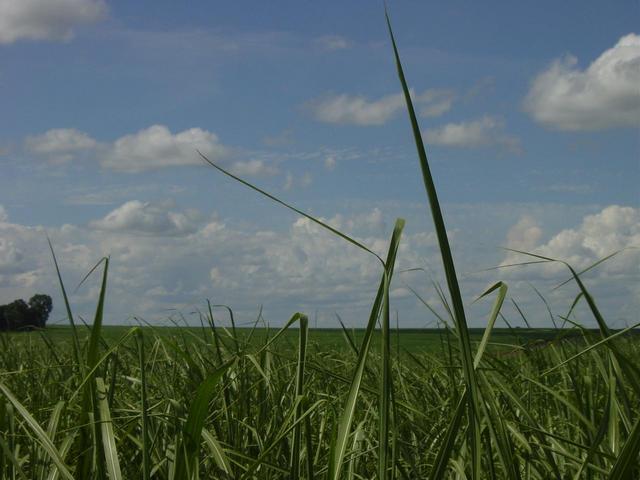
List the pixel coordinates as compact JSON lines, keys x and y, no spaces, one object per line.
{"x":333,"y":42}
{"x":614,"y":283}
{"x":4,"y":217}
{"x":155,"y":265}
{"x":140,"y":218}
{"x":10,"y":255}
{"x":60,"y":145}
{"x":157,"y":147}
{"x":615,"y":228}
{"x":46,"y":19}
{"x":525,"y":234}
{"x":358,"y":110}
{"x":483,"y":132}
{"x":300,"y":267}
{"x":435,"y":102}
{"x":253,"y":168}
{"x":150,"y":148}
{"x":605,"y":95}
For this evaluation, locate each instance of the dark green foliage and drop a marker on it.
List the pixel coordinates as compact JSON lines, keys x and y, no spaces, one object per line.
{"x":20,"y":315}
{"x":40,"y":306}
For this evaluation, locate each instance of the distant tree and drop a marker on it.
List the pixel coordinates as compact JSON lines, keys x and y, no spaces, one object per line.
{"x":40,"y":306}
{"x":20,"y":315}
{"x":16,"y":315}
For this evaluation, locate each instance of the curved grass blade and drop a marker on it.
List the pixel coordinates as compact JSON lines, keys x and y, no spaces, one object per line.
{"x":40,"y":435}
{"x":292,"y":208}
{"x":502,"y":293}
{"x":216,"y":451}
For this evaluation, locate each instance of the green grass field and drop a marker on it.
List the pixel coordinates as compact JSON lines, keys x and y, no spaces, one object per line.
{"x":205,"y":403}
{"x":189,"y":403}
{"x":414,"y":341}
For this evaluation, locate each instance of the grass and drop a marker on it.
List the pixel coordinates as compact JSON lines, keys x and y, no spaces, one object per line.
{"x":211,"y":402}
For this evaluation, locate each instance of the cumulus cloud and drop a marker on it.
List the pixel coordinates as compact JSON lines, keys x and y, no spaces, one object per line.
{"x":358,"y":110}
{"x":163,"y":258}
{"x":140,"y":218}
{"x":615,"y":228}
{"x":299,"y":267}
{"x":60,"y":145}
{"x":486,"y":131}
{"x":157,"y":147}
{"x":614,"y":283}
{"x":46,"y":19}
{"x":604,"y":95}
{"x":10,"y":255}
{"x":524,"y":235}
{"x":150,"y":148}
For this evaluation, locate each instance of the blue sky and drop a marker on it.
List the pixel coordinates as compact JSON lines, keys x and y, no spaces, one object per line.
{"x":530,"y":113}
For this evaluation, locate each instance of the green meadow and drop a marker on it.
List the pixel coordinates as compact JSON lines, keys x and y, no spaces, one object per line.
{"x":214,"y":402}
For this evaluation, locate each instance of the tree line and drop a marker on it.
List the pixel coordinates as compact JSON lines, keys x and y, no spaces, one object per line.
{"x":20,"y":315}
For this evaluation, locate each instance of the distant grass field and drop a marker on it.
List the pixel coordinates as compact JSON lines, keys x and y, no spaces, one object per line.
{"x":415,"y":341}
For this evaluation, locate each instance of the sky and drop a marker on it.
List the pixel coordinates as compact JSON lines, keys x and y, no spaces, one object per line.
{"x":530,"y":113}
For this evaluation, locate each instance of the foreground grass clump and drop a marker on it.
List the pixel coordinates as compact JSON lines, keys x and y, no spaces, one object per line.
{"x":222,"y":404}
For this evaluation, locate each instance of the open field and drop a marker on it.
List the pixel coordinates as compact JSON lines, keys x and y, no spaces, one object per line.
{"x":407,"y":340}
{"x":152,"y":385}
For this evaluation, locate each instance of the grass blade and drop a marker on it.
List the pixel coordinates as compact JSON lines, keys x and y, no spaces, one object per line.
{"x":449,"y":267}
{"x":187,"y":451}
{"x":339,"y":447}
{"x":40,"y":435}
{"x":106,"y":428}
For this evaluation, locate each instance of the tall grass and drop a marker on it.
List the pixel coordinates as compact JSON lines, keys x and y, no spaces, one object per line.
{"x":225,"y":404}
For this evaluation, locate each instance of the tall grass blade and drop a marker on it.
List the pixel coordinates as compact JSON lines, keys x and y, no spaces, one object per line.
{"x":449,"y":267}
{"x":302,"y":355}
{"x":627,"y":465}
{"x":339,"y":446}
{"x":67,"y":305}
{"x":108,"y":437}
{"x":144,"y":407}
